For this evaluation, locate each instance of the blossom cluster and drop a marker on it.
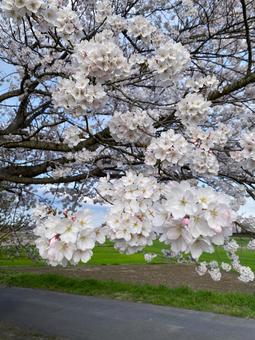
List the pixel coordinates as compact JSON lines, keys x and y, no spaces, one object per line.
{"x":208,"y":83}
{"x":204,"y":162}
{"x":67,"y":239}
{"x":132,"y":126}
{"x":149,"y":257}
{"x":247,"y":153}
{"x":19,"y":8}
{"x":192,"y":220}
{"x":72,"y":136}
{"x":78,"y":95}
{"x":103,"y":10}
{"x":202,"y":159}
{"x":140,"y":27}
{"x":64,"y":19}
{"x":116,"y":23}
{"x":248,"y":145}
{"x":214,"y":270}
{"x":101,"y":58}
{"x":97,"y":62}
{"x":251,"y":245}
{"x":193,"y":109}
{"x":94,"y":63}
{"x":209,"y":138}
{"x":195,"y":149}
{"x":245,"y":272}
{"x":137,"y":27}
{"x":188,"y":219}
{"x":130,"y":217}
{"x":169,"y":60}
{"x":170,"y":148}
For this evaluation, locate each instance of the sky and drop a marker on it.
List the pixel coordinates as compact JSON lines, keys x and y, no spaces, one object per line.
{"x":248,"y":209}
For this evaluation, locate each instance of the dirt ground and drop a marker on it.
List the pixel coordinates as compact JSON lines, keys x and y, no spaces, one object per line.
{"x":171,"y":275}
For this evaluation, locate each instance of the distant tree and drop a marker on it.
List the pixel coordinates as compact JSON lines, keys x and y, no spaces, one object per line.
{"x":14,"y":223}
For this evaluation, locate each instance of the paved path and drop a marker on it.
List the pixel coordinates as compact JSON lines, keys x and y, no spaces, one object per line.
{"x":88,"y":318}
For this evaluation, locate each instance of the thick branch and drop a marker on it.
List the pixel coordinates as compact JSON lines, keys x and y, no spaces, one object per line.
{"x":68,"y":179}
{"x":237,"y":85}
{"x":10,"y":94}
{"x":50,"y":146}
{"x":247,"y":33}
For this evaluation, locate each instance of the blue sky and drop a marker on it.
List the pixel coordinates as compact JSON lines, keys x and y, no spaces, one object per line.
{"x":249,"y":208}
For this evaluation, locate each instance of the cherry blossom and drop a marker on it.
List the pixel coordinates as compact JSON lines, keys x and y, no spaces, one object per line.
{"x":193,"y":109}
{"x":68,"y":238}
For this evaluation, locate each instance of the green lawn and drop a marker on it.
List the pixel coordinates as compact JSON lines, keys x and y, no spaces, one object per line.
{"x":107,"y":255}
{"x":235,"y":304}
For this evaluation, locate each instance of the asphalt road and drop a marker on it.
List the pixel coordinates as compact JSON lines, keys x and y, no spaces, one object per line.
{"x":88,"y":318}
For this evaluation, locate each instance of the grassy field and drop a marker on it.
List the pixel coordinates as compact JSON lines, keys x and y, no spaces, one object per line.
{"x":107,"y":255}
{"x":235,"y":304}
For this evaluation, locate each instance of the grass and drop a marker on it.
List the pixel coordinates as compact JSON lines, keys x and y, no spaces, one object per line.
{"x":106,"y":254}
{"x":234,"y":304}
{"x":10,"y":257}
